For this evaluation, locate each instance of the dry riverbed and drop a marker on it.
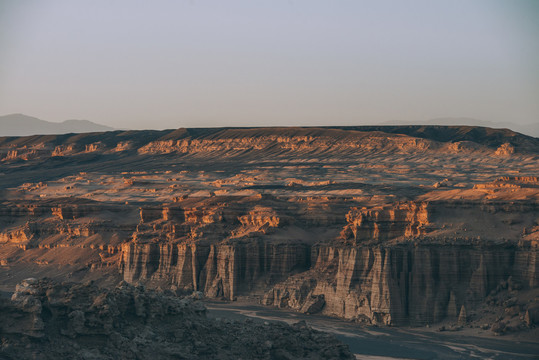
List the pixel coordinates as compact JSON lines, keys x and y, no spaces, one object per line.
{"x":377,"y":343}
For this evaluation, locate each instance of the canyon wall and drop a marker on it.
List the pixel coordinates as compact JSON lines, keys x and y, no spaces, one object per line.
{"x":219,"y":270}
{"x":415,"y":285}
{"x":387,"y":264}
{"x":390,"y":265}
{"x":385,"y":285}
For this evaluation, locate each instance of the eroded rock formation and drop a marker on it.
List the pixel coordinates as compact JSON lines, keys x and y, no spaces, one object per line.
{"x":379,"y":224}
{"x":396,"y":225}
{"x":401,"y":285}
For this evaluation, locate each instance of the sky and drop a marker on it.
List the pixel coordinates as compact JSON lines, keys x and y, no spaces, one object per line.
{"x":168,"y":64}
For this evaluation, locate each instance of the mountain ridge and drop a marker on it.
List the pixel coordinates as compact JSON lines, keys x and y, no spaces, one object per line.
{"x":19,"y":125}
{"x":530,"y":129}
{"x":24,"y":125}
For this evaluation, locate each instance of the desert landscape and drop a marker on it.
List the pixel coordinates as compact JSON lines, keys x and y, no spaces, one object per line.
{"x":425,"y":228}
{"x":273,"y":180}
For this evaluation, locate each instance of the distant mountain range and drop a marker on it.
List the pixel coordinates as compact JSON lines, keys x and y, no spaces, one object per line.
{"x":23,"y":125}
{"x":527,"y":129}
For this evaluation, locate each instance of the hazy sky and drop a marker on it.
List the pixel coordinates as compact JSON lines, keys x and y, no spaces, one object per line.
{"x":168,"y":64}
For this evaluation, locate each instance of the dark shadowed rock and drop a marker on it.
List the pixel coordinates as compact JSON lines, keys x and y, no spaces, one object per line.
{"x":75,"y":321}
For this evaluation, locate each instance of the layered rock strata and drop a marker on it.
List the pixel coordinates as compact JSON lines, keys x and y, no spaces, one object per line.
{"x":220,"y":270}
{"x":415,"y":285}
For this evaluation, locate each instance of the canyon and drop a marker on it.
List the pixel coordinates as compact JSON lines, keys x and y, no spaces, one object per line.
{"x":394,"y":225}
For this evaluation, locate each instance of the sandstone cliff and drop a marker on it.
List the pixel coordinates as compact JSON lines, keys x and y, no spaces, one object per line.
{"x":403,"y":285}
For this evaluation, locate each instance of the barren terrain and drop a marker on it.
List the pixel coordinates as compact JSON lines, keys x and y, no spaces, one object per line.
{"x":396,"y":225}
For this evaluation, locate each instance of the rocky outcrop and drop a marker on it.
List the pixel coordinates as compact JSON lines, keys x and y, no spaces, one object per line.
{"x":505,"y":149}
{"x":380,"y":224}
{"x":403,"y":285}
{"x":63,"y":150}
{"x":93,"y":147}
{"x":234,"y":144}
{"x":21,"y":154}
{"x":260,"y":217}
{"x":21,"y":236}
{"x":48,"y":320}
{"x":220,"y":270}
